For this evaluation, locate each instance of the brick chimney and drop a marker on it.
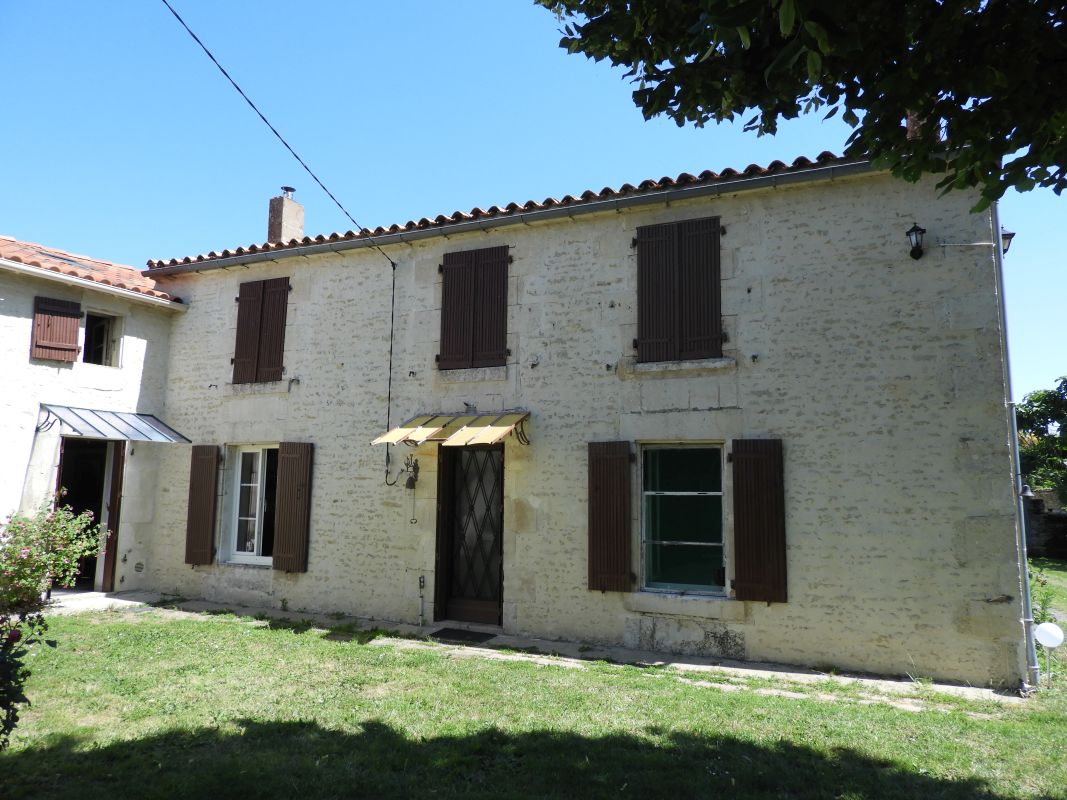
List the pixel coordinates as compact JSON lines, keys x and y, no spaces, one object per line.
{"x":285,"y":221}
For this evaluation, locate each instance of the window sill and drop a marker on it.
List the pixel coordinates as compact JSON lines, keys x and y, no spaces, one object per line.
{"x":247,"y":564}
{"x":630,"y":368}
{"x":473,"y":375}
{"x":707,"y":606}
{"x":94,"y":365}
{"x":271,"y":387}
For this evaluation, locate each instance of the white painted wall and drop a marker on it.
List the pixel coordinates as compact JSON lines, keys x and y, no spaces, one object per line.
{"x":883,"y":375}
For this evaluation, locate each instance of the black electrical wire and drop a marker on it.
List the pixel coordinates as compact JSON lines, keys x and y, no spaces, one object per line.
{"x":281,"y":139}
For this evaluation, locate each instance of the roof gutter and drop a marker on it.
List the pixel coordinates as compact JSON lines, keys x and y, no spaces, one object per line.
{"x":85,"y":283}
{"x":818,"y":173}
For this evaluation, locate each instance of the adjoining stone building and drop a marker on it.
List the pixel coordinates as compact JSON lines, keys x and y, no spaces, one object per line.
{"x":723,"y":414}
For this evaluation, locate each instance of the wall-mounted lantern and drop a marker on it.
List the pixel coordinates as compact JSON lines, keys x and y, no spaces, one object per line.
{"x":915,"y":236}
{"x":1005,"y":238}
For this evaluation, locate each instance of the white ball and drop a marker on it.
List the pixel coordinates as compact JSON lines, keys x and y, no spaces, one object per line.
{"x":1048,"y":634}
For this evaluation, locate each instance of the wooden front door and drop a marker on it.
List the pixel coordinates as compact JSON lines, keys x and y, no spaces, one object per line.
{"x":470,"y":527}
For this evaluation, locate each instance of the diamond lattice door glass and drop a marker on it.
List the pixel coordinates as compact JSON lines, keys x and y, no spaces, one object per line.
{"x":477,"y":526}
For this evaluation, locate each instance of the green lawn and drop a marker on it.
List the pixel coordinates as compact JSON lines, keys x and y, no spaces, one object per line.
{"x":154,"y":704}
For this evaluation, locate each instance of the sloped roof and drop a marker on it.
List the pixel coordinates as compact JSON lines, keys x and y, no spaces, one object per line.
{"x":589,"y":196}
{"x":106,"y":273}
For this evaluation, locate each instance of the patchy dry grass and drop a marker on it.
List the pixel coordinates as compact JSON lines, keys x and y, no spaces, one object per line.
{"x":159,"y":704}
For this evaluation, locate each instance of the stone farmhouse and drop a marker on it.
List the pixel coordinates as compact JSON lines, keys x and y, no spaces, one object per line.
{"x":722,"y":414}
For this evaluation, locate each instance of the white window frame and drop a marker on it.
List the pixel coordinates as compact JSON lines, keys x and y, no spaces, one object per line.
{"x":113,"y":353}
{"x":234,"y":555}
{"x":715,"y":591}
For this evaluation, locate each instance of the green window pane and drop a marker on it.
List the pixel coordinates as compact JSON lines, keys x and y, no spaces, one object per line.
{"x":683,"y":469}
{"x":683,"y":566}
{"x":684,"y":518}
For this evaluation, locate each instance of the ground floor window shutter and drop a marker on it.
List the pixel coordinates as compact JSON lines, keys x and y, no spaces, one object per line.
{"x":55,"y":329}
{"x":200,"y":522}
{"x":293,"y":507}
{"x":759,"y":520}
{"x":609,"y":516}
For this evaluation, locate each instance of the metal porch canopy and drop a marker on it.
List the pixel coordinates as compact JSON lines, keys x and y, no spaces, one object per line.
{"x":458,"y":430}
{"x":118,"y":426}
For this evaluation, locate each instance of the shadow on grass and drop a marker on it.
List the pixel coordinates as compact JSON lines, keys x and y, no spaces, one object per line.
{"x":302,"y":759}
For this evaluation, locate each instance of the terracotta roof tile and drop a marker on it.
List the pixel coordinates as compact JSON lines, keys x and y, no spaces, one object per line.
{"x":588,"y":196}
{"x":106,"y":273}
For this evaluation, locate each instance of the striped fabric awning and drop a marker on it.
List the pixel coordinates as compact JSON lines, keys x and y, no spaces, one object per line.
{"x":113,"y":425}
{"x":457,"y":430}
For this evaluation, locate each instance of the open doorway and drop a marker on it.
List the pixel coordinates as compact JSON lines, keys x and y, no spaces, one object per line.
{"x":90,"y":470}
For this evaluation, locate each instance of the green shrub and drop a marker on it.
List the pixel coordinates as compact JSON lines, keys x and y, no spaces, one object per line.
{"x":36,"y":552}
{"x":1040,"y":596}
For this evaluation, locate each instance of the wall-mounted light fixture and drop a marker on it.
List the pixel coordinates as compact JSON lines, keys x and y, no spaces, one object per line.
{"x":915,"y":236}
{"x":411,"y":469}
{"x":1005,"y":239}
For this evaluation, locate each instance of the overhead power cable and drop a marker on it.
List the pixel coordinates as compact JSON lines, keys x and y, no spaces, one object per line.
{"x":281,"y":138}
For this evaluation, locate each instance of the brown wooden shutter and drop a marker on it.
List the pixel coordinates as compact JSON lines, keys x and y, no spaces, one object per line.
{"x":609,"y":516}
{"x":657,"y":293}
{"x":699,"y":289}
{"x":200,"y":522}
{"x":55,"y":329}
{"x":249,"y":314}
{"x":457,"y":310}
{"x":272,"y":330}
{"x":293,"y":507}
{"x":759,"y":520}
{"x":490,"y":332}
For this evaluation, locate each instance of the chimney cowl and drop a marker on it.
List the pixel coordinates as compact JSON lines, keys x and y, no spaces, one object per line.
{"x":285,"y":218}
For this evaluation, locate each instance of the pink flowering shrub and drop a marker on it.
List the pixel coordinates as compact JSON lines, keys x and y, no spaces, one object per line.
{"x":36,"y":552}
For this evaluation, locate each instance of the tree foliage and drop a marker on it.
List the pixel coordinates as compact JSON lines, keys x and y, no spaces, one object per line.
{"x":983,"y":77}
{"x":1042,"y":421}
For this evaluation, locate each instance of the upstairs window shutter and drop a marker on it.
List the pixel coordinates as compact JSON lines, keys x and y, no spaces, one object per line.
{"x":272,"y":330}
{"x":490,"y":332}
{"x":200,"y":522}
{"x":260,"y":346}
{"x":55,"y":329}
{"x":457,"y":311}
{"x":759,"y":520}
{"x":474,"y":299}
{"x":657,"y":293}
{"x":246,"y":349}
{"x":699,"y":289}
{"x":292,"y":507}
{"x":609,"y":516}
{"x":679,"y":307}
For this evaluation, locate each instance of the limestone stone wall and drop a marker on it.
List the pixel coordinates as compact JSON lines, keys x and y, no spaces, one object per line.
{"x":882,"y":375}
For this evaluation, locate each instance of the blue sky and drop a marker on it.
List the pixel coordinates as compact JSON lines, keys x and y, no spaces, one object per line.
{"x":121,"y":140}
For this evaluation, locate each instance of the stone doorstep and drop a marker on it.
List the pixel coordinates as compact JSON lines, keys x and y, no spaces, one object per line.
{"x":510,"y":647}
